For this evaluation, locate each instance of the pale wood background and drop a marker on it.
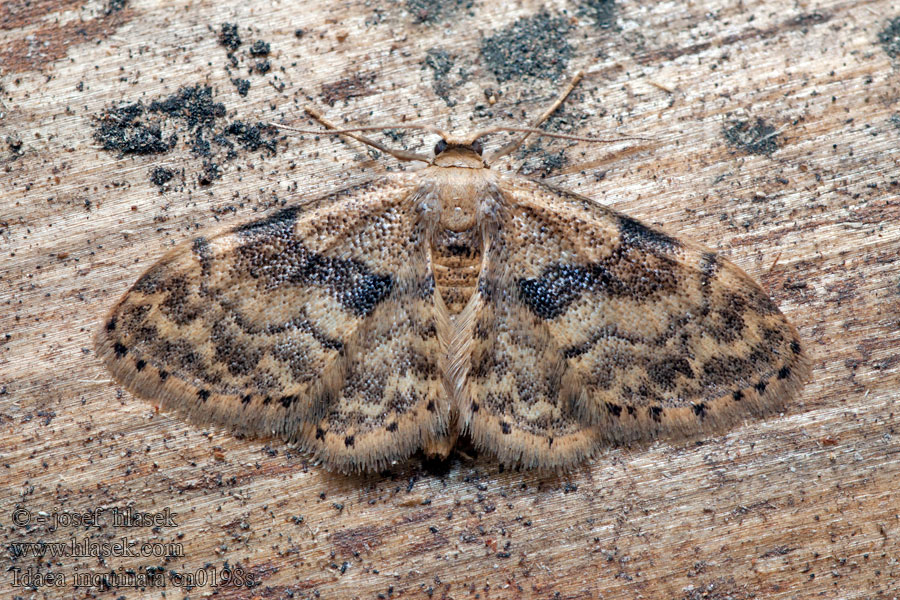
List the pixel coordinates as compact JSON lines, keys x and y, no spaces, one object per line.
{"x":802,"y":505}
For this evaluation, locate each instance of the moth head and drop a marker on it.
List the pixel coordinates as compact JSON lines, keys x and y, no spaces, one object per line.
{"x":451,"y":151}
{"x":475,"y":146}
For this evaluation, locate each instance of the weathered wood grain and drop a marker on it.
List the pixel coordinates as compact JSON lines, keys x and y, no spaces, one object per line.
{"x":774,"y":138}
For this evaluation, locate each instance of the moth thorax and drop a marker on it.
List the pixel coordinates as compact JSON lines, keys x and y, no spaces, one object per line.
{"x":456,"y":260}
{"x":460,"y":192}
{"x":458,"y":215}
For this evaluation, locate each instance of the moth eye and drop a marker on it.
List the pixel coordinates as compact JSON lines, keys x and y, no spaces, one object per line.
{"x":477,"y":147}
{"x":440,"y":147}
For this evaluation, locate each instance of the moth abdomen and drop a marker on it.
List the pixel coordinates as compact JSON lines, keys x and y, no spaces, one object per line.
{"x":456,"y":259}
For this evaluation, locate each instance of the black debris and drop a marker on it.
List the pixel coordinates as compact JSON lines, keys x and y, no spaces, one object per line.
{"x":242,"y":85}
{"x":209,"y":173}
{"x":14,"y":142}
{"x":161,"y":176}
{"x":192,"y":111}
{"x":114,"y":6}
{"x":357,"y":86}
{"x":444,"y":80}
{"x":260,"y":48}
{"x":890,"y":38}
{"x":228,"y":36}
{"x":193,"y":104}
{"x":530,"y":47}
{"x":431,"y":11}
{"x":541,"y":162}
{"x":753,"y":138}
{"x":199,"y":144}
{"x":601,"y":12}
{"x":253,"y":137}
{"x":125,"y":129}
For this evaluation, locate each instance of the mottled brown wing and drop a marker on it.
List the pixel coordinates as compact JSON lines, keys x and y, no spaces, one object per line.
{"x":315,"y":324}
{"x":597,"y":329}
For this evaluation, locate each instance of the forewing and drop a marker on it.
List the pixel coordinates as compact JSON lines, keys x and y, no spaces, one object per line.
{"x":315,"y":324}
{"x":596,"y":328}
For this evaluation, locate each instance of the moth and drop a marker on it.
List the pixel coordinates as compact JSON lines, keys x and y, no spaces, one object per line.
{"x":401,"y":313}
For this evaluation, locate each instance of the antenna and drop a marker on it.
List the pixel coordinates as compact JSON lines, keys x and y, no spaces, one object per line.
{"x":335,"y":130}
{"x":514,"y":145}
{"x":332,"y":129}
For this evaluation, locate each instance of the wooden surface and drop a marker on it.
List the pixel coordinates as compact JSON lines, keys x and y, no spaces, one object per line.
{"x":802,"y":505}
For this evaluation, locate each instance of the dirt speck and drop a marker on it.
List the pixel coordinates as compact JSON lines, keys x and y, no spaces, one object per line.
{"x":804,"y":21}
{"x":114,"y":6}
{"x":601,"y":12}
{"x":432,"y":11}
{"x":242,"y":85}
{"x":229,"y":37}
{"x":252,"y":137}
{"x":161,"y":176}
{"x":890,"y":38}
{"x":540,"y":162}
{"x":753,"y":138}
{"x":530,"y":47}
{"x":14,"y":142}
{"x":194,"y":104}
{"x":209,"y":173}
{"x":260,"y":48}
{"x":357,"y":540}
{"x":719,"y":589}
{"x":444,"y":79}
{"x":125,"y":128}
{"x":355,"y":86}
